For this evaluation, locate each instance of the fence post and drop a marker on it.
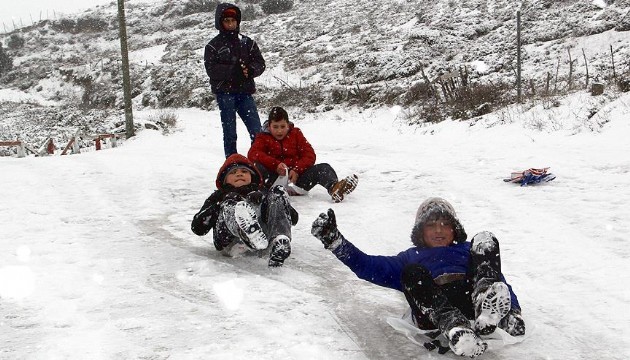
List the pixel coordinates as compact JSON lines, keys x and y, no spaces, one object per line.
{"x":50,"y":148}
{"x":75,"y":146}
{"x":114,"y":140}
{"x":21,"y":152}
{"x":97,"y":143}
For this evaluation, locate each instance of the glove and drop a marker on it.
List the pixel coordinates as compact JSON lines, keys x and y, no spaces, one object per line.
{"x":255,"y":197}
{"x":513,"y":323}
{"x":325,"y":229}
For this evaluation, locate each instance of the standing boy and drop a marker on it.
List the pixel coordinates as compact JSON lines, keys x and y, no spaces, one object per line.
{"x":232,"y":61}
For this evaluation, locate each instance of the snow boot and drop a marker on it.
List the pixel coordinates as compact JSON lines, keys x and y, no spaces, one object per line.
{"x":464,"y":342}
{"x":248,"y":226}
{"x":513,"y":323}
{"x":343,"y":187}
{"x":491,"y":297}
{"x":491,"y":305}
{"x":280,"y":250}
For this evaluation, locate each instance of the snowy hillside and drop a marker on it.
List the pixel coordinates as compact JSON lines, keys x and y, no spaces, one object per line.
{"x":320,"y":55}
{"x":97,"y":260}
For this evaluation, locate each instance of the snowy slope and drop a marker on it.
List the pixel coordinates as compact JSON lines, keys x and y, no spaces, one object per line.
{"x":97,"y":260}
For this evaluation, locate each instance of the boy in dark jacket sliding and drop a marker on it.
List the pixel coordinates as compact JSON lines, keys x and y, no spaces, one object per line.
{"x":282,"y":149}
{"x":232,"y":62}
{"x":244,"y":215}
{"x":446,"y":280}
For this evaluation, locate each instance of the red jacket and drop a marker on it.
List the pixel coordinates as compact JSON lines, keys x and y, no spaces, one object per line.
{"x":294,"y":150}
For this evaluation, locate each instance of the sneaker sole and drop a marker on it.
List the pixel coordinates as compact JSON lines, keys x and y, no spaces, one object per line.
{"x":494,"y":307}
{"x":247,"y":221}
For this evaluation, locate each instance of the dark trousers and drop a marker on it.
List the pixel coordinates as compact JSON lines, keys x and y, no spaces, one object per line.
{"x":445,"y":306}
{"x":318,"y":174}
{"x":273,"y":216}
{"x":229,"y":106}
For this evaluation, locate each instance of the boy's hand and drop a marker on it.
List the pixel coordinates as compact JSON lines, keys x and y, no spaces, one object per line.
{"x":325,"y":229}
{"x":293,"y":176}
{"x":281,"y":169}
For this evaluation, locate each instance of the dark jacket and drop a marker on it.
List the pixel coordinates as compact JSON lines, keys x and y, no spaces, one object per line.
{"x":225,"y":55}
{"x":294,"y":150}
{"x":254,"y":193}
{"x":387,"y":270}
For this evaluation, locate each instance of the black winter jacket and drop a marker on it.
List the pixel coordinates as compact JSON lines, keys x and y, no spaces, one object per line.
{"x":225,"y":55}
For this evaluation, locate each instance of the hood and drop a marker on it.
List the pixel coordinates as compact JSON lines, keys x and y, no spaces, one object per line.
{"x":218,"y":16}
{"x":236,"y":160}
{"x":433,"y":209}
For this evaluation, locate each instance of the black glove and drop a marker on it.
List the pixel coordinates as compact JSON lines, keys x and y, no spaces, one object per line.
{"x":325,"y":229}
{"x":513,"y":323}
{"x":255,"y":197}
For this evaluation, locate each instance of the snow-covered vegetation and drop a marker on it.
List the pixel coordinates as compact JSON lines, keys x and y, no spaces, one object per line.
{"x":320,"y":56}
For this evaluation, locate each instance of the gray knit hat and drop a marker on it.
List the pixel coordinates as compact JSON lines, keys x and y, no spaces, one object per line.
{"x":432,"y":209}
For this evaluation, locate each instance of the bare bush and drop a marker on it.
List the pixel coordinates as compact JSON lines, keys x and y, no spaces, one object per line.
{"x":276,"y":6}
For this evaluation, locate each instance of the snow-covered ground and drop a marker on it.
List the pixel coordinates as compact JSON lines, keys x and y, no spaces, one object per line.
{"x":97,"y":260}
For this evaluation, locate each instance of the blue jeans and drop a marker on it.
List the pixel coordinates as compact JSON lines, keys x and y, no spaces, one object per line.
{"x":229,"y":106}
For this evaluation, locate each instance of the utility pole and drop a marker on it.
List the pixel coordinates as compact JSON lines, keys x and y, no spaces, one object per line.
{"x":122,"y":31}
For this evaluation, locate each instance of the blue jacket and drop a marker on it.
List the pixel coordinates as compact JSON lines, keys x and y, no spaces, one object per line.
{"x":386,"y":271}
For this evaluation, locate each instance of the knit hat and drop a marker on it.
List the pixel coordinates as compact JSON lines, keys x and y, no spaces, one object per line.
{"x":229,"y":13}
{"x":433,"y":209}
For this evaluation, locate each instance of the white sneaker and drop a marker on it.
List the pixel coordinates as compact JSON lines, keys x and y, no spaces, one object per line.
{"x":250,"y":230}
{"x":464,"y":342}
{"x":491,"y":306}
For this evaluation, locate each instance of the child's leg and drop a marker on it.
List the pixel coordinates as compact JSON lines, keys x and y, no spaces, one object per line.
{"x":276,"y":219}
{"x":322,"y":174}
{"x":246,"y":108}
{"x":241,"y":221}
{"x":428,"y":303}
{"x":490,"y":296}
{"x":227,"y":108}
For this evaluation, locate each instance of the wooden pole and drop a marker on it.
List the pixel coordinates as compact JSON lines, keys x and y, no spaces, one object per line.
{"x":585,"y":65}
{"x":122,"y":30}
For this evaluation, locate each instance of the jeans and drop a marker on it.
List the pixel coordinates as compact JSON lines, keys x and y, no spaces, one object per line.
{"x":229,"y":106}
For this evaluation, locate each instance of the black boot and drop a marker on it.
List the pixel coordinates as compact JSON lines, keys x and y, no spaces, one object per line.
{"x":428,"y":302}
{"x":490,"y":296}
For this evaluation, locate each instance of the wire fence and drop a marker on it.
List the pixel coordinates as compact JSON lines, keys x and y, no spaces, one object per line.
{"x":19,"y":22}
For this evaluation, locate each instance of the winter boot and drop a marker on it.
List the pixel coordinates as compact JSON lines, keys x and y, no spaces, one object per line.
{"x":248,"y":226}
{"x":463,"y":341}
{"x":280,"y":250}
{"x":491,"y":297}
{"x":428,"y":302}
{"x":513,"y":323}
{"x":343,"y":187}
{"x":491,"y":305}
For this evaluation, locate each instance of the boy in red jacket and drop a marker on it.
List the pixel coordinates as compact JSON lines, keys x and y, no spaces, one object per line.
{"x":281,"y":149}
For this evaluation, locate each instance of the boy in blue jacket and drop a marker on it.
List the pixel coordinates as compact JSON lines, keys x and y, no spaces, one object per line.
{"x":446,"y":280}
